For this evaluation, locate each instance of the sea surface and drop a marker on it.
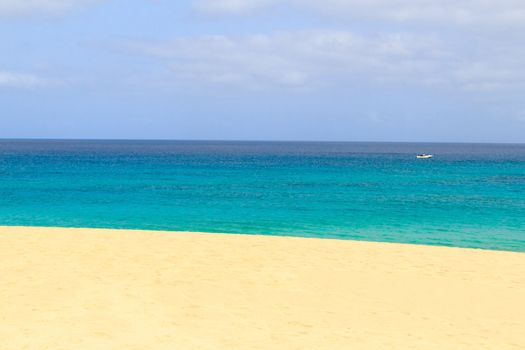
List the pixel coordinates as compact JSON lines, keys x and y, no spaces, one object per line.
{"x":468,"y":195}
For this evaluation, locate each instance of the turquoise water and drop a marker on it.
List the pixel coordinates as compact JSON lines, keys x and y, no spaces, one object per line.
{"x":469,"y":195}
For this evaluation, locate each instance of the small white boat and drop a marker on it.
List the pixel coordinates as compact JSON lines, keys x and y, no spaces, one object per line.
{"x":424,"y":156}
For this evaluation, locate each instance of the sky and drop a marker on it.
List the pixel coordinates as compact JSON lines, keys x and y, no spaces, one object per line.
{"x":331,"y":70}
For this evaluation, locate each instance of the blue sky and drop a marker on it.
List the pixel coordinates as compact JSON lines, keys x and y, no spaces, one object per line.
{"x":378,"y":70}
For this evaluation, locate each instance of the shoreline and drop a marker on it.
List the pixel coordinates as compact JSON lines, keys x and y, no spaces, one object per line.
{"x":284,"y":236}
{"x":136,"y":289}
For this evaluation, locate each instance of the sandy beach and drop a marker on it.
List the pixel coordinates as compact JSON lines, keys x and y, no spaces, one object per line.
{"x":106,"y":289}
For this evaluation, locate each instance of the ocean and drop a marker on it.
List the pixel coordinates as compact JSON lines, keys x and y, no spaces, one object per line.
{"x":468,"y":195}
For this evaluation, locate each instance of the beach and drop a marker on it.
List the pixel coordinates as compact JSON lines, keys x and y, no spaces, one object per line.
{"x":121,"y":289}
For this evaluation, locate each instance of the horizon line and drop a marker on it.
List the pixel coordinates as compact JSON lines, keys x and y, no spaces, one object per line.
{"x":252,"y":140}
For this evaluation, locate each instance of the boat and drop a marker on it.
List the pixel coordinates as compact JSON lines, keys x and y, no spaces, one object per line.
{"x":424,"y":156}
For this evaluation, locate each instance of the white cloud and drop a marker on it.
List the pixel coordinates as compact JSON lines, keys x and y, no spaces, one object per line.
{"x":466,"y":12}
{"x":490,"y":75}
{"x":13,"y":8}
{"x":322,"y":58}
{"x":431,"y":51}
{"x":255,"y":60}
{"x":232,"y":6}
{"x":447,"y":11}
{"x":22,"y":80}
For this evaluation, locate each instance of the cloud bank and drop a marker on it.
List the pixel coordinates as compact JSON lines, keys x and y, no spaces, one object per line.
{"x":465,"y":12}
{"x":326,"y":58}
{"x":439,"y":46}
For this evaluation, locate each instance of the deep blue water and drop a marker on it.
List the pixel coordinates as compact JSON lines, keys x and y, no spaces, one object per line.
{"x":469,"y":195}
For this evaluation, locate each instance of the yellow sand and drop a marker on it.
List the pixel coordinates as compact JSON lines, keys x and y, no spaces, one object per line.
{"x":103,"y":289}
